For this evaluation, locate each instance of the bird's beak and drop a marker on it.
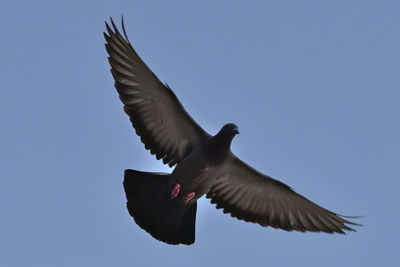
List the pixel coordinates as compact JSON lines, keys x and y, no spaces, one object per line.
{"x":236,"y":131}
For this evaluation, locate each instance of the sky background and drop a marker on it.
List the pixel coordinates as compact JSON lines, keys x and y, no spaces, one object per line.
{"x":314,"y":87}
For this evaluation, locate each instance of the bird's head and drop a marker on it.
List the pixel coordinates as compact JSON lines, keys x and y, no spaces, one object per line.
{"x":219,"y":145}
{"x":230,"y":129}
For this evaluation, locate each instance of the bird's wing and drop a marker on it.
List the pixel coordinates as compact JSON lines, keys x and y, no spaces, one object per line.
{"x":254,"y":197}
{"x":155,"y":112}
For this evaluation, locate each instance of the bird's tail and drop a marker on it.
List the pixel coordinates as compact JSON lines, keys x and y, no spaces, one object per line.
{"x":150,"y":204}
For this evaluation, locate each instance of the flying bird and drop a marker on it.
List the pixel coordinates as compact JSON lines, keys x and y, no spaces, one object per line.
{"x":165,"y":204}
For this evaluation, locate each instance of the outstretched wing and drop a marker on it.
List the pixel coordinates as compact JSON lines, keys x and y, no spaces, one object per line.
{"x":155,"y":112}
{"x":254,"y":197}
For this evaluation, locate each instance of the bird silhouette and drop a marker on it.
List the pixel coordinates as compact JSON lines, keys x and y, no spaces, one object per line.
{"x":165,"y":204}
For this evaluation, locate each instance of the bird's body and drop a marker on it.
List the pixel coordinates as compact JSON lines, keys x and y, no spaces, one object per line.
{"x":199,"y":170}
{"x":165,"y":204}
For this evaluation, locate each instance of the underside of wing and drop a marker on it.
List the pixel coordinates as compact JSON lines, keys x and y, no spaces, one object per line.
{"x":254,"y":197}
{"x":155,"y":112}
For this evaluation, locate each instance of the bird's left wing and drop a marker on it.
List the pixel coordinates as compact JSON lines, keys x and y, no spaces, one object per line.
{"x":254,"y":197}
{"x":158,"y":117}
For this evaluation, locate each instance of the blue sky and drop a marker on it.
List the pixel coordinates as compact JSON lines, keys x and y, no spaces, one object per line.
{"x":313,"y":86}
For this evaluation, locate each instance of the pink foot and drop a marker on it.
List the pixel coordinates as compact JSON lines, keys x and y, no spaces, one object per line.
{"x":175,"y":191}
{"x":188,"y":197}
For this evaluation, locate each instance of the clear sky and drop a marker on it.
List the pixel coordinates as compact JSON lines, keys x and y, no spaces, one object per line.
{"x":314,"y":87}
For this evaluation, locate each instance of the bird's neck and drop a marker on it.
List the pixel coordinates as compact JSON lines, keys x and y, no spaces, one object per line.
{"x":219,"y":146}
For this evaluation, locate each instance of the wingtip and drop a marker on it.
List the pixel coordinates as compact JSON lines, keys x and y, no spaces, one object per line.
{"x":111,"y":20}
{"x":123,"y":29}
{"x":110,"y":32}
{"x":352,"y":217}
{"x":106,"y":36}
{"x":113,"y":24}
{"x":115,"y":29}
{"x":344,"y":217}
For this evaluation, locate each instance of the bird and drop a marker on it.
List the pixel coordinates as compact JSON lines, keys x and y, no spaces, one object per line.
{"x":165,"y":204}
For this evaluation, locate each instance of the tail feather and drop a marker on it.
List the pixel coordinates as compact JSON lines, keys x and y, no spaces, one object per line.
{"x":150,"y":205}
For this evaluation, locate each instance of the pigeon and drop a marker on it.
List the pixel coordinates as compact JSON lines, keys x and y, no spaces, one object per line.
{"x":164,"y":204}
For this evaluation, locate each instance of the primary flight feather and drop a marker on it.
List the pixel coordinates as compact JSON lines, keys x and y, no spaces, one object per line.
{"x":165,"y":204}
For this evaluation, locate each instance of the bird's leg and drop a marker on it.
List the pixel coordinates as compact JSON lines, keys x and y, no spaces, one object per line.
{"x":175,"y":191}
{"x":188,"y":197}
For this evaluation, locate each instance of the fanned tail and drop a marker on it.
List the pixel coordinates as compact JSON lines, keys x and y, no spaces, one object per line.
{"x":149,"y":203}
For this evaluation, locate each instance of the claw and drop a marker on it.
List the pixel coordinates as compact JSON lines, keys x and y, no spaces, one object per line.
{"x":175,"y":191}
{"x":188,"y":197}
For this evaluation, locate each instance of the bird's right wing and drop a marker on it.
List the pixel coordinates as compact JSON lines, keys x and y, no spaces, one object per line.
{"x":254,"y":197}
{"x":155,"y":112}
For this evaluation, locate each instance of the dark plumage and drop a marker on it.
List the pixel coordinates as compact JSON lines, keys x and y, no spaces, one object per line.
{"x":165,"y":204}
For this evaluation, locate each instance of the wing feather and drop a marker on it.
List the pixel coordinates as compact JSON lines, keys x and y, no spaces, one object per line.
{"x":252,"y":196}
{"x":164,"y":126}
